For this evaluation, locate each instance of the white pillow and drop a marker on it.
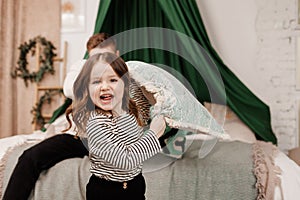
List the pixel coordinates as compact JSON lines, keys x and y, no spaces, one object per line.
{"x":180,"y":108}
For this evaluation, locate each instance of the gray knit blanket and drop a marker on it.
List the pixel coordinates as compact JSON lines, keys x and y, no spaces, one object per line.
{"x":227,"y":172}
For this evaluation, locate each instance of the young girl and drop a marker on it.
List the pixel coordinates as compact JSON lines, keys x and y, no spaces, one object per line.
{"x":118,"y":145}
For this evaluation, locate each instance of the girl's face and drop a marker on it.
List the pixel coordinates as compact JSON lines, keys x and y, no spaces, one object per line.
{"x":106,"y":88}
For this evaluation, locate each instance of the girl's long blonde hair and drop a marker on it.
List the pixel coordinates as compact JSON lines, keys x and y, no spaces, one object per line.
{"x":83,"y":105}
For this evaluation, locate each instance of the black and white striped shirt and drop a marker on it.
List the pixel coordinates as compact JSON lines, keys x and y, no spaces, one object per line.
{"x":118,"y":146}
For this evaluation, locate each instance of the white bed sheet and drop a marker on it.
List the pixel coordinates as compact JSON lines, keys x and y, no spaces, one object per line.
{"x":290,"y":178}
{"x":8,"y":142}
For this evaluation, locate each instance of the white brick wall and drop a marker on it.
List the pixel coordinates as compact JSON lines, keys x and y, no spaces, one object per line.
{"x":276,"y":61}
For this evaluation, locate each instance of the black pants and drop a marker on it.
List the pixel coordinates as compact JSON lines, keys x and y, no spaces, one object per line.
{"x":40,"y":157}
{"x":98,"y":188}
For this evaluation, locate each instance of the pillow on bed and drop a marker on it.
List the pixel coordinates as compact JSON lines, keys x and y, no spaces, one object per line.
{"x":172,"y":99}
{"x":233,"y":126}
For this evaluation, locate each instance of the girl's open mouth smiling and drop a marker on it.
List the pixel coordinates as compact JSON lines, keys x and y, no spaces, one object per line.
{"x":106,"y":98}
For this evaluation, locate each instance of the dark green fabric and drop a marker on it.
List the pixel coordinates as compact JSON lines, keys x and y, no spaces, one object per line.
{"x":116,"y":16}
{"x":185,"y":17}
{"x":59,"y":111}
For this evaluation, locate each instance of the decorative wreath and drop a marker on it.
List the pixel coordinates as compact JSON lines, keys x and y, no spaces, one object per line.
{"x":37,"y":109}
{"x":45,"y":59}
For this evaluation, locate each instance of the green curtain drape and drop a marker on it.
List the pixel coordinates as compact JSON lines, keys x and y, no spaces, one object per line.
{"x":118,"y":16}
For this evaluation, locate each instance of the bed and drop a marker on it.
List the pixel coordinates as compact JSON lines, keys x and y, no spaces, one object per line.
{"x":236,"y":167}
{"x":233,"y":170}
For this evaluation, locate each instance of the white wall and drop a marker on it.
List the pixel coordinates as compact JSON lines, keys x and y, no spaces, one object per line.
{"x":256,"y":40}
{"x":230,"y":26}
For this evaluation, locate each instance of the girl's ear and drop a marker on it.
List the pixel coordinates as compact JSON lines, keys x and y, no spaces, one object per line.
{"x":118,"y":53}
